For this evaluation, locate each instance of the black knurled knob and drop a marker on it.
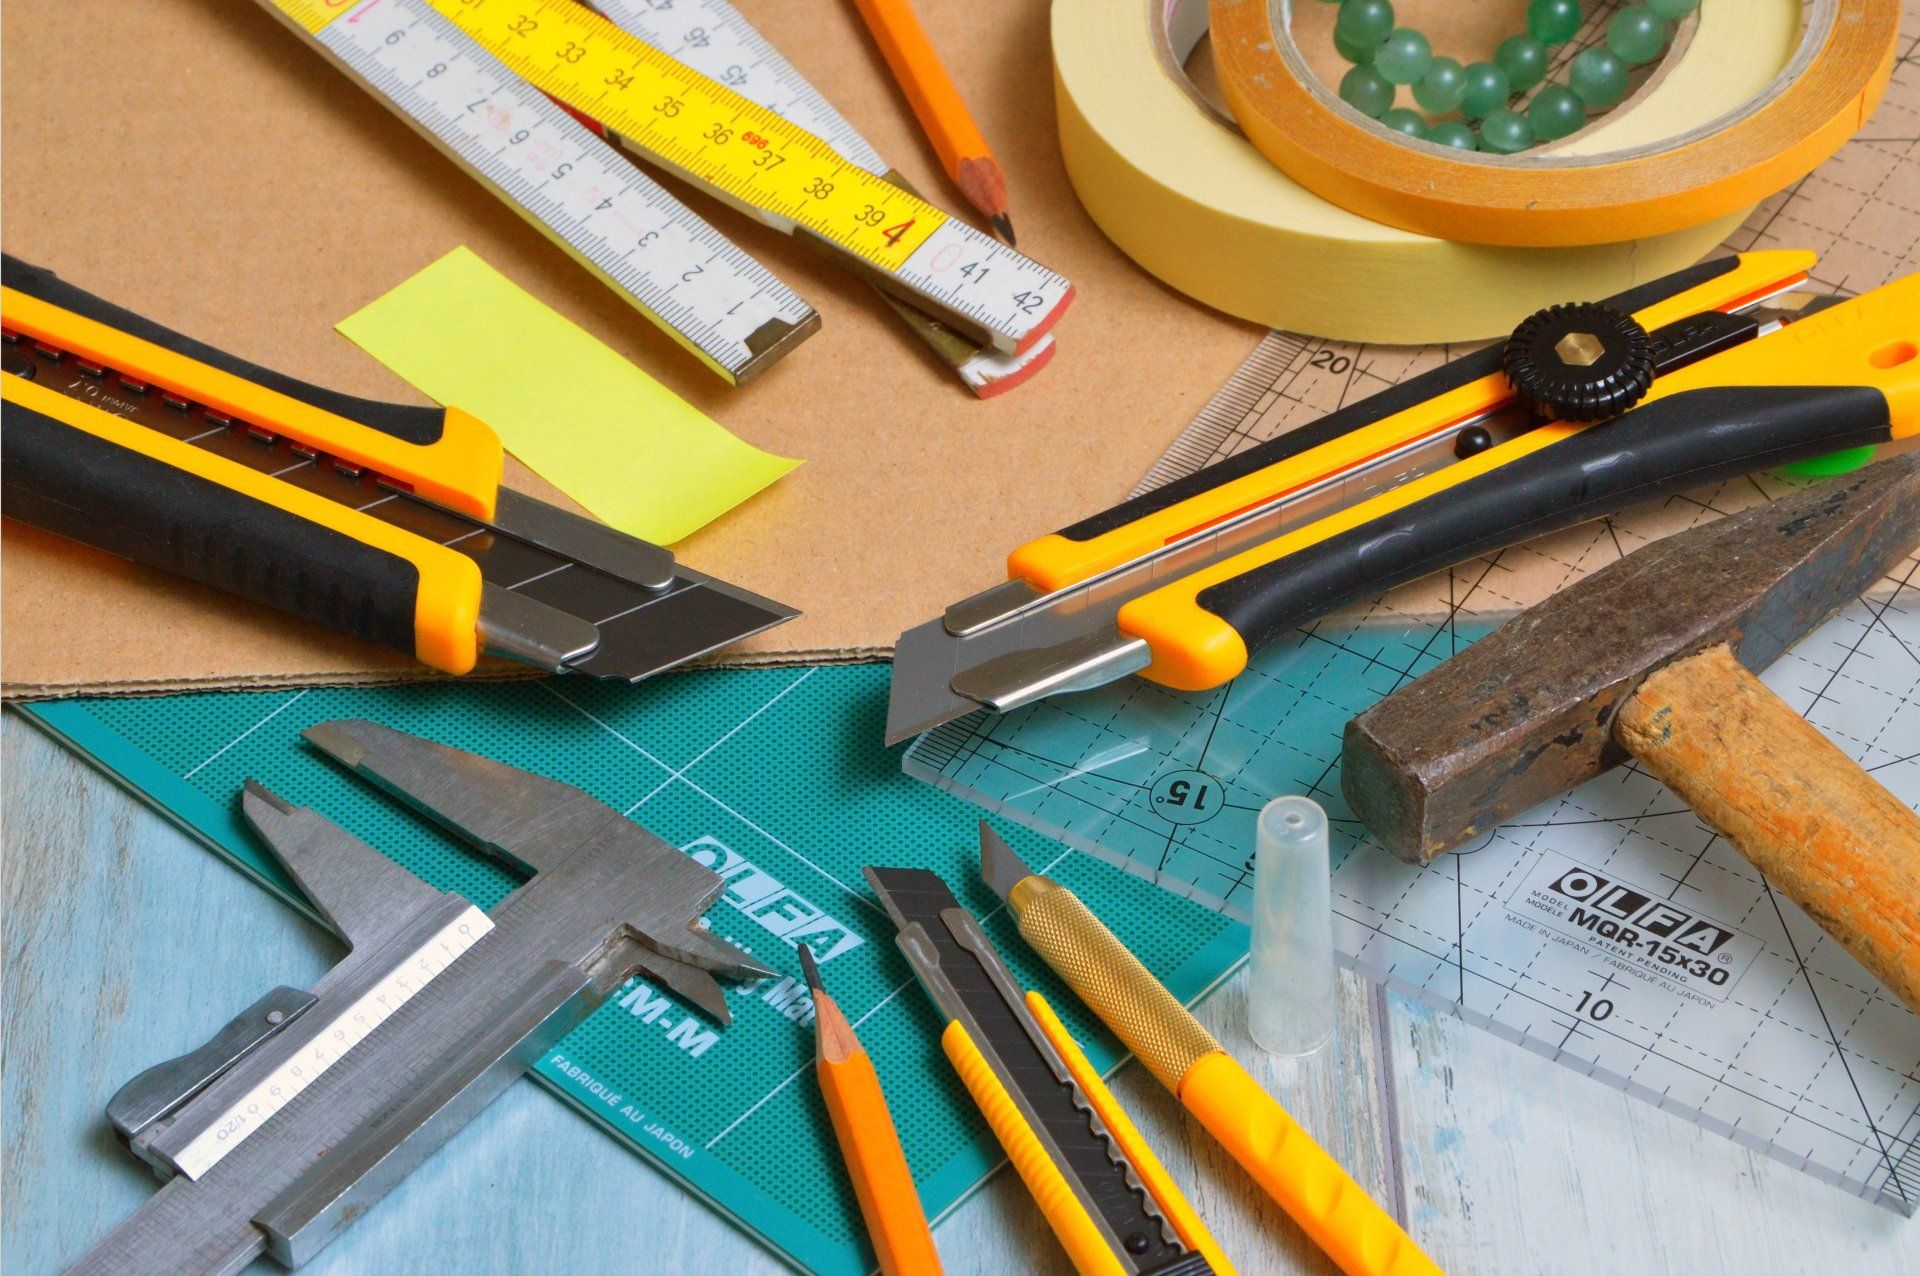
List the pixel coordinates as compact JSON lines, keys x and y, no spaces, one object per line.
{"x":1581,"y":361}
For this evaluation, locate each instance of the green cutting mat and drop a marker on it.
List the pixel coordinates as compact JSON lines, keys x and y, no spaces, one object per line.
{"x":780,"y":767}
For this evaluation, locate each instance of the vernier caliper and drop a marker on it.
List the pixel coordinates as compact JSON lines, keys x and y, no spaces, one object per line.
{"x":303,"y":1111}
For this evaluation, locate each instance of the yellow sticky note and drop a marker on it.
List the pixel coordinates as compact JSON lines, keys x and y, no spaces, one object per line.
{"x":632,"y":451}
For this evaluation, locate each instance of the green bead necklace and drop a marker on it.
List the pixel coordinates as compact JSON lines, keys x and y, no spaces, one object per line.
{"x":1387,"y":58}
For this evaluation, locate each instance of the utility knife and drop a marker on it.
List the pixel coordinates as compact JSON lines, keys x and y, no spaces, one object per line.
{"x":1588,"y":408}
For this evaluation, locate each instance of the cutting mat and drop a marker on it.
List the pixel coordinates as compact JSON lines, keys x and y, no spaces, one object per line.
{"x":774,"y":772}
{"x":1762,"y":1028}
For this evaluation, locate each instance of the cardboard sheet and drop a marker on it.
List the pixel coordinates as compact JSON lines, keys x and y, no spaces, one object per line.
{"x":191,"y":160}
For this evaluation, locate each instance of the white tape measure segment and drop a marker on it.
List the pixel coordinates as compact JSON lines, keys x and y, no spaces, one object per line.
{"x":681,"y":273}
{"x":334,"y":1039}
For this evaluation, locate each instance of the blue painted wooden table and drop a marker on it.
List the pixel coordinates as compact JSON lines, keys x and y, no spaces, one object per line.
{"x":125,"y":943}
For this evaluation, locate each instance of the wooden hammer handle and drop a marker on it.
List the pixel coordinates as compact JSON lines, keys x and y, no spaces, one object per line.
{"x":1805,"y":814}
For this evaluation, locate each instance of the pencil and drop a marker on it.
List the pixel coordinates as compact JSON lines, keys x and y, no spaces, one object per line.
{"x":865,"y":1131}
{"x":937,"y":103}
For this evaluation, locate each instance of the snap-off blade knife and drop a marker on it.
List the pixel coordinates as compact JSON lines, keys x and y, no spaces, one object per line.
{"x":1587,"y":409}
{"x":300,"y":1114}
{"x":1106,"y":1196}
{"x":385,"y":521}
{"x":1361,"y":1238}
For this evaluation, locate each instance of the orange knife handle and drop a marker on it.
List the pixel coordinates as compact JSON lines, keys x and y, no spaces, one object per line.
{"x":881,"y":1180}
{"x":1361,"y":1238}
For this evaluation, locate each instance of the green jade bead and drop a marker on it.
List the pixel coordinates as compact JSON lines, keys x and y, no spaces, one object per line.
{"x":1402,"y":120}
{"x":1673,"y":10}
{"x":1598,"y":76}
{"x":1555,"y":112}
{"x":1637,"y":34}
{"x":1505,"y":133}
{"x":1524,"y":59}
{"x":1405,"y":57}
{"x":1554,"y":21}
{"x":1454,"y":134}
{"x":1442,"y":87}
{"x":1358,"y":54}
{"x":1486,"y":90}
{"x":1364,"y":21}
{"x":1366,"y":91}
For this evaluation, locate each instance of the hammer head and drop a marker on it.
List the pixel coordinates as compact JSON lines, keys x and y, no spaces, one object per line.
{"x":1526,"y":713}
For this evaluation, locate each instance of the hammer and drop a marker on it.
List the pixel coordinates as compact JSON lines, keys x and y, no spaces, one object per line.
{"x":1652,"y":658}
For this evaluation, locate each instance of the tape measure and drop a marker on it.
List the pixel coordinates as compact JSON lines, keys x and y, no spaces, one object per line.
{"x":775,"y":171}
{"x":647,"y":246}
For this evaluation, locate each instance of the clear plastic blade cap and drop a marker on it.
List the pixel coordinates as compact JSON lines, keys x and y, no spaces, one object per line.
{"x":1290,"y":983}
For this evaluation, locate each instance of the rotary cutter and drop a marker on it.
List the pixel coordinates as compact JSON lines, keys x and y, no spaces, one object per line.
{"x":385,"y":521}
{"x":1587,"y":409}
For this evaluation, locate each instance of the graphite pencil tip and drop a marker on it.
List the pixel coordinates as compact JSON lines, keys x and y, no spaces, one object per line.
{"x":808,"y":968}
{"x":1004,"y":224}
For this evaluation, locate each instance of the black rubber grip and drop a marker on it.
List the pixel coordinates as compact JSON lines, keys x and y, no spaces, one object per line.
{"x":403,"y":421}
{"x":1448,"y":376}
{"x":1667,"y":446}
{"x":116,"y":499}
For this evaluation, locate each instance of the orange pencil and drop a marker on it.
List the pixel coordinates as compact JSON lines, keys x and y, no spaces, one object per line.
{"x":937,"y":103}
{"x":864,"y":1128}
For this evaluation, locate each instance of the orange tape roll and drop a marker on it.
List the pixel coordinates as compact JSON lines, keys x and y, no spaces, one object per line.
{"x":1604,"y":184}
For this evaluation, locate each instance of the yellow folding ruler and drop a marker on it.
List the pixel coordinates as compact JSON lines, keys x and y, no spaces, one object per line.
{"x":767,"y":166}
{"x":740,"y":151}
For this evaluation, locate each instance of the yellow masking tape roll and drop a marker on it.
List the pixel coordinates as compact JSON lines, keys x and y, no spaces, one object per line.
{"x":1184,"y":194}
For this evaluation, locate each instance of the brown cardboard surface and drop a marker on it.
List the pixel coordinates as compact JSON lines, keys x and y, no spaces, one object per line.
{"x":193,"y":161}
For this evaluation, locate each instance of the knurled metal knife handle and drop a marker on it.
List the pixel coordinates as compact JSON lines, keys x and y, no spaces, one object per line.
{"x":82,"y":473}
{"x":443,"y":455}
{"x":1846,"y":377}
{"x":1466,"y":387}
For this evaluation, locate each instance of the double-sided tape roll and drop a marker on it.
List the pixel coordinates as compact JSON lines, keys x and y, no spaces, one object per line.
{"x":1615,"y":180}
{"x":1183,"y":192}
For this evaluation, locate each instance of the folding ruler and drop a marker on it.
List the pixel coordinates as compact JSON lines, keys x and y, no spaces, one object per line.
{"x":500,"y":118}
{"x":1788,"y":1047}
{"x":711,"y":37}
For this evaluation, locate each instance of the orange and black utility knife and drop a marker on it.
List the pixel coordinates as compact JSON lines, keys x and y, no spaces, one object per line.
{"x":1587,"y":409}
{"x":381,"y":520}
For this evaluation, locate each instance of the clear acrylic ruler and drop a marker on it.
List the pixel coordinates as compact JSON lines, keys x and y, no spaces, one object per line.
{"x":1756,"y":1025}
